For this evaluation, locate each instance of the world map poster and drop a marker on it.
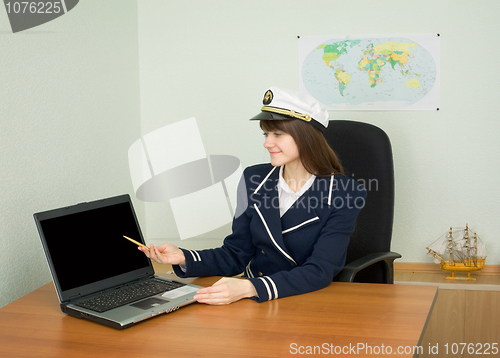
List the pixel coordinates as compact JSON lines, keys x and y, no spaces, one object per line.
{"x":371,"y":73}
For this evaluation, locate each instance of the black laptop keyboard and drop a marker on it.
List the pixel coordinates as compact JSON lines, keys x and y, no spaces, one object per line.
{"x":127,"y":294}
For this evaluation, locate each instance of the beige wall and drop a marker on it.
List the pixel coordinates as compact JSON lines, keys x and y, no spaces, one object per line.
{"x":69,"y":109}
{"x":214,"y":59}
{"x":76,"y":92}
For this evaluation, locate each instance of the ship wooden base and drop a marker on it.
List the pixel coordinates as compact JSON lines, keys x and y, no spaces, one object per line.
{"x":462,"y":266}
{"x":453,"y":277}
{"x":466,"y":254}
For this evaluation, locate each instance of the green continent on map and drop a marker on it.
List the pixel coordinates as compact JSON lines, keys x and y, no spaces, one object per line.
{"x":394,"y":53}
{"x":344,"y":78}
{"x":373,"y":67}
{"x":331,"y":53}
{"x":370,"y":72}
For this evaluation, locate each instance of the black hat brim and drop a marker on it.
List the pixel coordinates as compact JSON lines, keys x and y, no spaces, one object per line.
{"x":269,"y":116}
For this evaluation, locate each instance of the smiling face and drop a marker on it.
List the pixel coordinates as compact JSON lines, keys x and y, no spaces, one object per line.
{"x":281,"y":147}
{"x":296,"y":141}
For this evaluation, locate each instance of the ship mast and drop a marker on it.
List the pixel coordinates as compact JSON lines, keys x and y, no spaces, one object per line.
{"x":474,"y":246}
{"x":466,"y":252}
{"x":467,"y":245}
{"x":450,"y":246}
{"x":434,"y":253}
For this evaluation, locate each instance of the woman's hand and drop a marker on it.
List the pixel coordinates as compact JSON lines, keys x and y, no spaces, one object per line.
{"x":225,"y":291}
{"x":165,"y":254}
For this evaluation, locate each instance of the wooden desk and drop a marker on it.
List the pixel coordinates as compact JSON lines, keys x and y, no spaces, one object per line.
{"x":342,"y":315}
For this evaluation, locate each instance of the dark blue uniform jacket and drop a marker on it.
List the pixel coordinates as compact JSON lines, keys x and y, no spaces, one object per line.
{"x":297,"y":253}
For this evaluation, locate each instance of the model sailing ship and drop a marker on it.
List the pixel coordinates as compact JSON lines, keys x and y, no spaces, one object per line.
{"x":458,"y":250}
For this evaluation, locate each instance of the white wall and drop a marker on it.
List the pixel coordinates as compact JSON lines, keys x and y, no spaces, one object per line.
{"x":214,"y":59}
{"x":76,"y":92}
{"x":69,"y":110}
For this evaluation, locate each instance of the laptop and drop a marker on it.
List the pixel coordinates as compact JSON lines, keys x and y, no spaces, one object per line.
{"x":97,"y":273}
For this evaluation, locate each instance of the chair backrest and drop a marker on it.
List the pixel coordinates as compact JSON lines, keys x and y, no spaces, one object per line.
{"x":366,"y":155}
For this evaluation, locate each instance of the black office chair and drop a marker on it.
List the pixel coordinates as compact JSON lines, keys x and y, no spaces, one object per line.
{"x":366,"y":155}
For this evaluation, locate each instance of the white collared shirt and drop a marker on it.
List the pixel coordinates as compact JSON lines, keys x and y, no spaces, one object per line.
{"x":287,"y":196}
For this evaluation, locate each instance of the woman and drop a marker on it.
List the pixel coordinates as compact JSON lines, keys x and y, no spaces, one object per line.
{"x":294,"y":216}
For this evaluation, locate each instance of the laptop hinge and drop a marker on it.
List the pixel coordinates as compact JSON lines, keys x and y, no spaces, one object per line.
{"x":74,"y":297}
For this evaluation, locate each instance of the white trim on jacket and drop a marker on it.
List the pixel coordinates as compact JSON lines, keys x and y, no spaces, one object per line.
{"x":271,"y":235}
{"x":302,"y":224}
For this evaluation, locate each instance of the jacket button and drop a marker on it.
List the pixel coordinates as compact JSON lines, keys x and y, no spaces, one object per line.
{"x":263,"y":253}
{"x":261,"y":274}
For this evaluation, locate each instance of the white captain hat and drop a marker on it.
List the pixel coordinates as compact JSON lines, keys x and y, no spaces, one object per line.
{"x":281,"y":103}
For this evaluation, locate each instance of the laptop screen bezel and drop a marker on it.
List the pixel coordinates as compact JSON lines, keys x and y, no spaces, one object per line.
{"x":69,"y":295}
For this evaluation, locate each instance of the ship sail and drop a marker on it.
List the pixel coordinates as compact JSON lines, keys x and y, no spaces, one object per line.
{"x":459,"y":249}
{"x":481,"y":251}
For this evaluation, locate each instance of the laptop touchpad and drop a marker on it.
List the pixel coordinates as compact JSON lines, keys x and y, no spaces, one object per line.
{"x":149,"y":303}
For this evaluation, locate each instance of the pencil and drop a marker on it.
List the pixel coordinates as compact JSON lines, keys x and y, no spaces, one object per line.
{"x":135,"y":242}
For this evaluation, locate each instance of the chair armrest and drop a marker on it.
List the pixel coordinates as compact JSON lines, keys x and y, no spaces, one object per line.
{"x":351,"y":269}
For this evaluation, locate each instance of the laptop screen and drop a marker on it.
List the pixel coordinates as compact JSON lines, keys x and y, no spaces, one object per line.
{"x":85,"y":243}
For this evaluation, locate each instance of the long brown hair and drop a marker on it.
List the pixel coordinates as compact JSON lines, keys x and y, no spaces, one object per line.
{"x":314,"y":152}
